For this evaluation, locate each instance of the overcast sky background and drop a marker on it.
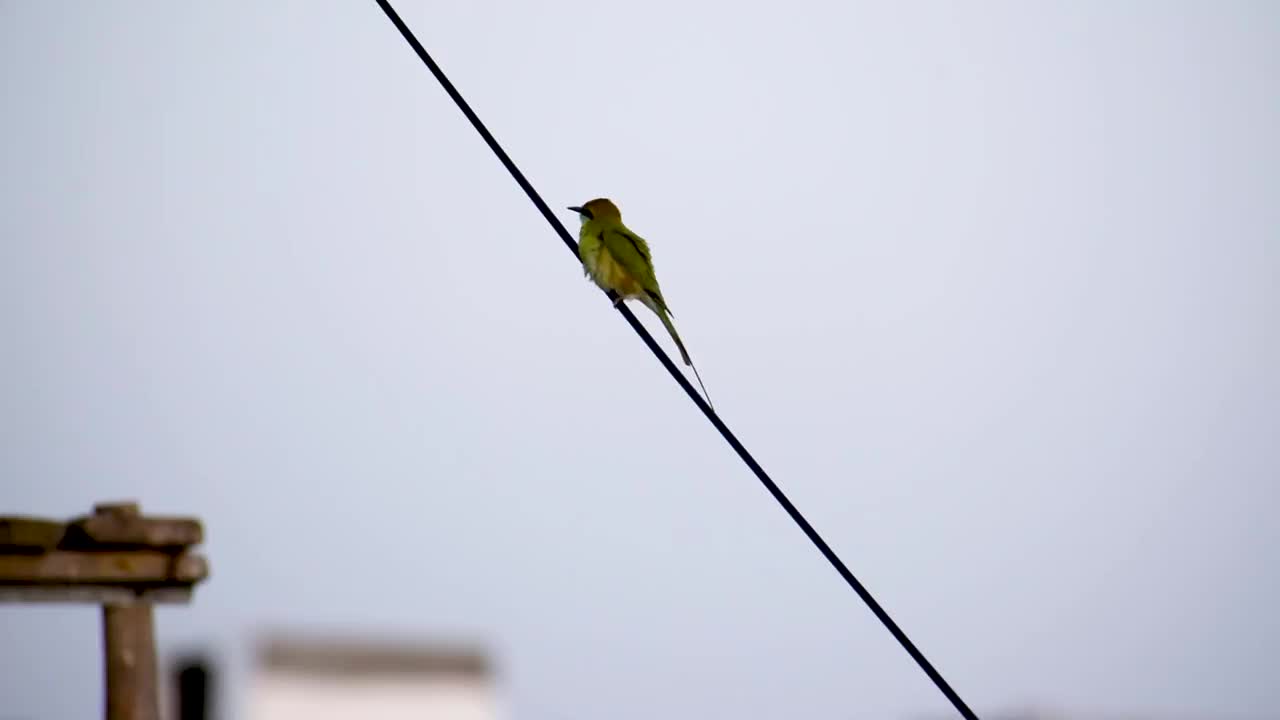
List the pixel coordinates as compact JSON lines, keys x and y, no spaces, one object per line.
{"x":990,"y":288}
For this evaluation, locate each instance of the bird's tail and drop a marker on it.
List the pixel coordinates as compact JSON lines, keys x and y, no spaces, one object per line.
{"x":666,"y":320}
{"x":684,"y":354}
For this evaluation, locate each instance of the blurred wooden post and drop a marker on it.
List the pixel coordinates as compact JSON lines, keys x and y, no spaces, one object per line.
{"x":129,"y":646}
{"x":130,"y":649}
{"x":116,"y":558}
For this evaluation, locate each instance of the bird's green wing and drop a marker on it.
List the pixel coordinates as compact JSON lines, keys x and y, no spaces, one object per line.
{"x":632,"y":253}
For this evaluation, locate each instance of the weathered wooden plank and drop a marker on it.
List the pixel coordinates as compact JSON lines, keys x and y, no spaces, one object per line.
{"x":28,"y":534}
{"x":137,"y":566}
{"x":120,"y":531}
{"x":96,"y":594}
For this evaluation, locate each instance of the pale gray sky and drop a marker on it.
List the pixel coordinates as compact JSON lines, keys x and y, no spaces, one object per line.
{"x":990,"y":288}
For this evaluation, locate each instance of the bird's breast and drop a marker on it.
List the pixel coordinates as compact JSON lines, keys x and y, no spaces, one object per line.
{"x":605,"y":270}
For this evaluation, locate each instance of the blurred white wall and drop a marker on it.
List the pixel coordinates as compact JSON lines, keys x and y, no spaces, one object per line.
{"x":284,"y":696}
{"x":311,"y":679}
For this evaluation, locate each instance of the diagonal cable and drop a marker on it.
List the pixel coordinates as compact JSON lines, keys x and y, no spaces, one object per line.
{"x":658,"y":352}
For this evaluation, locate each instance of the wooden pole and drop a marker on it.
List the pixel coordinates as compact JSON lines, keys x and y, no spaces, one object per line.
{"x":117,"y":558}
{"x":129,"y":647}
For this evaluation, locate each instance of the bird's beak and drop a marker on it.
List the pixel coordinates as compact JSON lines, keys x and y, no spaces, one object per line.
{"x":577,"y":210}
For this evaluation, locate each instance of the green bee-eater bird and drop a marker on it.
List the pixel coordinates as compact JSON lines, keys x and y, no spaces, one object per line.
{"x":617,"y":259}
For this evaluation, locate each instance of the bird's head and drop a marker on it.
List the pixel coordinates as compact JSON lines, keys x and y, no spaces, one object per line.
{"x":598,"y":209}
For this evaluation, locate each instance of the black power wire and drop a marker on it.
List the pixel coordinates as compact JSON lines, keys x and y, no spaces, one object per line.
{"x":728,"y":435}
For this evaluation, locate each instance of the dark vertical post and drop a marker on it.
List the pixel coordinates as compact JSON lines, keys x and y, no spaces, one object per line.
{"x":194,"y":689}
{"x":129,"y":648}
